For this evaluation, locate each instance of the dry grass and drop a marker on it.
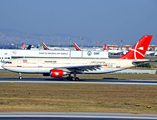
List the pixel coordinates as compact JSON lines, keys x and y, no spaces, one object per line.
{"x":72,"y":97}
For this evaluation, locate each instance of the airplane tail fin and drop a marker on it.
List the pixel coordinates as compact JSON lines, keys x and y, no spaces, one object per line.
{"x":24,"y":46}
{"x":29,"y":47}
{"x":105,"y":47}
{"x":44,"y":46}
{"x":77,"y":47}
{"x":139,"y":49}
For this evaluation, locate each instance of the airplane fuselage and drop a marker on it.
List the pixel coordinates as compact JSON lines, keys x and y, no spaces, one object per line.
{"x":44,"y":65}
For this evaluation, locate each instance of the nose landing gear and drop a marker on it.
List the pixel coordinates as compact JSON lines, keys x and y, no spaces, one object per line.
{"x":20,"y":76}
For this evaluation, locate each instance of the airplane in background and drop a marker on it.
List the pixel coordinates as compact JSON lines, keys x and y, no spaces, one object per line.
{"x":44,"y":46}
{"x":105,"y":47}
{"x":53,"y":48}
{"x":56,"y":67}
{"x":77,"y":47}
{"x":93,"y":49}
{"x":26,"y":48}
{"x":114,"y":52}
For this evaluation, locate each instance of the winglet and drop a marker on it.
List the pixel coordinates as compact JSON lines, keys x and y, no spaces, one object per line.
{"x":139,"y":49}
{"x":77,"y":47}
{"x":44,"y":46}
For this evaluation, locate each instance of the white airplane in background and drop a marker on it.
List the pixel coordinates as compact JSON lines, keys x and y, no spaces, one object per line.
{"x":56,"y":67}
{"x":53,"y":48}
{"x":26,"y":48}
{"x":114,"y":51}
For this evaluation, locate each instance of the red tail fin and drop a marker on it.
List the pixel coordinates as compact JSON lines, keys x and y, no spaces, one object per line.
{"x":77,"y":47}
{"x":105,"y":47}
{"x":24,"y":46}
{"x":44,"y":46}
{"x":139,"y":49}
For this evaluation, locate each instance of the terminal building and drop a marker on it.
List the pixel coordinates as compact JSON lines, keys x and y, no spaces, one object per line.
{"x":8,"y":54}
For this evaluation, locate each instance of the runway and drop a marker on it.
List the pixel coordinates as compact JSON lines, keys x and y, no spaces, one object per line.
{"x":81,"y":81}
{"x":75,"y":115}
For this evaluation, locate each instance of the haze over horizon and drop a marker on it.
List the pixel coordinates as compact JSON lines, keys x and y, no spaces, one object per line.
{"x":100,"y":20}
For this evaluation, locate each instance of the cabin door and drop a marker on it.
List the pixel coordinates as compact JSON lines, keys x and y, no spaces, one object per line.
{"x":19,"y":63}
{"x":39,"y":63}
{"x":118,"y":64}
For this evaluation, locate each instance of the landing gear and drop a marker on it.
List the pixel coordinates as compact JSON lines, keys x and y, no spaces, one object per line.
{"x":20,"y":76}
{"x":73,"y":78}
{"x":76,"y":79}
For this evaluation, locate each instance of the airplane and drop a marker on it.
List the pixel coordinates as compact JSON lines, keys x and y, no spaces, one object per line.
{"x":77,"y":47}
{"x":44,"y":46}
{"x":113,"y":53}
{"x":26,"y":48}
{"x":56,"y":67}
{"x":54,"y":48}
{"x":105,"y":47}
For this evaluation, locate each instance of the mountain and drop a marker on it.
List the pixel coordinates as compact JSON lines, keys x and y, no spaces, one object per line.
{"x":17,"y":37}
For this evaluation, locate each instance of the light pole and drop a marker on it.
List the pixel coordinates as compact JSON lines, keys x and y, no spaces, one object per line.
{"x":70,"y":47}
{"x":121,"y":44}
{"x":82,"y":46}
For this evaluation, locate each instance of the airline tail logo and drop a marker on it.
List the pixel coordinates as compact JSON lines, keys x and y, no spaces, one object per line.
{"x":139,"y":49}
{"x":77,"y":47}
{"x":24,"y":46}
{"x":44,"y":46}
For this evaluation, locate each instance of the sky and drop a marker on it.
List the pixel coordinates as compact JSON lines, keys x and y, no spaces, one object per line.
{"x":102,"y":20}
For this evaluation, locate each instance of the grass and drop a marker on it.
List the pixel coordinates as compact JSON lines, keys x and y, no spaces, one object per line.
{"x":79,"y":97}
{"x":72,"y":97}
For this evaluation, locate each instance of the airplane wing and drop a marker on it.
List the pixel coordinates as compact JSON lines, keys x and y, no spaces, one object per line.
{"x":80,"y":68}
{"x":140,"y":62}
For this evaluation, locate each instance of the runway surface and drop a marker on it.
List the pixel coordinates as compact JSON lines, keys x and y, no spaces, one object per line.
{"x":81,"y":81}
{"x":75,"y":115}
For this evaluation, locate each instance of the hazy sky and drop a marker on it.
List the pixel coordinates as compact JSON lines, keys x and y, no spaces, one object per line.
{"x":96,"y":19}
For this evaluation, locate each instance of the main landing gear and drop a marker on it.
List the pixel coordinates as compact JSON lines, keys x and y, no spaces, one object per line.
{"x":20,"y":76}
{"x":73,"y":78}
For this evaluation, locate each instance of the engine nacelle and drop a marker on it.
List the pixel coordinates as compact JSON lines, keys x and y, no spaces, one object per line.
{"x":57,"y":73}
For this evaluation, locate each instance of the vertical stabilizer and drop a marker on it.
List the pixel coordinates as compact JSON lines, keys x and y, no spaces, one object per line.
{"x":139,"y":49}
{"x":44,"y":46}
{"x":24,"y":46}
{"x":77,"y":47}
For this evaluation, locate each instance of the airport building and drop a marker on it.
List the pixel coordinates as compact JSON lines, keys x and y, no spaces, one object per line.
{"x":8,"y":54}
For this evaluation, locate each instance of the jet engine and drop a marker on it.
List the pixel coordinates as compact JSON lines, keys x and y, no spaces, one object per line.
{"x":57,"y":73}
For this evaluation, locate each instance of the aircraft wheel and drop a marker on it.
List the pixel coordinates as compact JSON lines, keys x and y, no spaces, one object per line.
{"x":76,"y":79}
{"x":20,"y":78}
{"x":73,"y":79}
